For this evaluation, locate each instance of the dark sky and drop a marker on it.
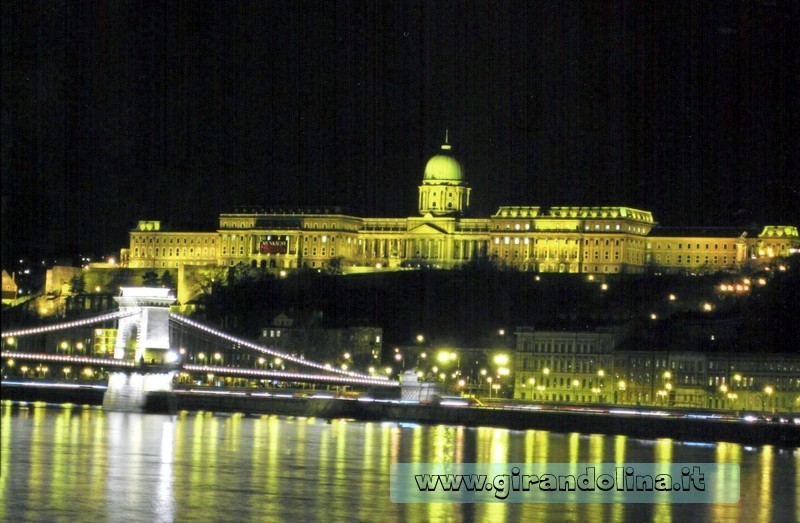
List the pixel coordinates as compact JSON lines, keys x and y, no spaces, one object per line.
{"x":114,"y":112}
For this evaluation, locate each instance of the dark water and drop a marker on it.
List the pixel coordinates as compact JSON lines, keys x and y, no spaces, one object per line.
{"x":83,"y":464}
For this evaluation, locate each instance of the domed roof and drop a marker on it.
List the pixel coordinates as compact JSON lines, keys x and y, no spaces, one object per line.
{"x":443,"y":168}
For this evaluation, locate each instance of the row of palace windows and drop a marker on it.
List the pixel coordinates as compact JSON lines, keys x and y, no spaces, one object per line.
{"x":757,"y":365}
{"x":560,"y":347}
{"x":190,"y":241}
{"x":725,"y":246}
{"x":322,"y":251}
{"x":567,"y":383}
{"x":190,"y":251}
{"x":324,"y":226}
{"x":579,"y":366}
{"x":714,"y":260}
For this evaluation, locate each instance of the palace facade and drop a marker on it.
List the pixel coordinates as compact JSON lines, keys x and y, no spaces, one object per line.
{"x":592,"y":240}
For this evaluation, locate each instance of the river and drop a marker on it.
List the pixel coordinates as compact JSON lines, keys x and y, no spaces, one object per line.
{"x":77,"y":463}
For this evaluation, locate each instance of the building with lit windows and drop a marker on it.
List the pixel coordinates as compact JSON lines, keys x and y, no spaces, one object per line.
{"x":310,"y":335}
{"x":591,"y":240}
{"x":585,"y":367}
{"x":564,"y":366}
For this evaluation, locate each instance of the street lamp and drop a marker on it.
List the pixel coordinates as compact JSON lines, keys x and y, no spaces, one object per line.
{"x":768,"y":390}
{"x":202,"y":356}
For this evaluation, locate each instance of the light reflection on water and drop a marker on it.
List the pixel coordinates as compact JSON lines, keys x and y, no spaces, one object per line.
{"x":82,"y":464}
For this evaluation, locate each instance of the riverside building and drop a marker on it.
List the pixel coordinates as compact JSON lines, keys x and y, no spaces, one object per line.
{"x":586,"y":367}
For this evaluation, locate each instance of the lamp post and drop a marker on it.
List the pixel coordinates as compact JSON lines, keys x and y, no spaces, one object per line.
{"x":621,"y":386}
{"x":768,"y":390}
{"x":601,"y":374}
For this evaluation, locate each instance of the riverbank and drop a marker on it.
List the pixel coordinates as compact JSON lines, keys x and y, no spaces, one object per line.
{"x":644,"y":424}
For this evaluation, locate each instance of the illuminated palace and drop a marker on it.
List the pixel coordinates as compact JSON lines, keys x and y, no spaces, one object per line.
{"x":592,"y":240}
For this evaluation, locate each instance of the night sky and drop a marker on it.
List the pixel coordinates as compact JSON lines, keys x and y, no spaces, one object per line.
{"x":114,"y":112}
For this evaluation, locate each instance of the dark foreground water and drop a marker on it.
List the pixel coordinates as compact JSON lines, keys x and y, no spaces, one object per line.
{"x":83,"y":464}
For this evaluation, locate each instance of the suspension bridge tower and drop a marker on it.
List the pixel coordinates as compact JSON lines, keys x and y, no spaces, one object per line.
{"x":142,"y":336}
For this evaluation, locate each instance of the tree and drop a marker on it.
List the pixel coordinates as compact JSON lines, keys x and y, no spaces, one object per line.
{"x":77,"y":284}
{"x":210,"y":278}
{"x":334,"y":266}
{"x":150,"y":279}
{"x":167,"y":280}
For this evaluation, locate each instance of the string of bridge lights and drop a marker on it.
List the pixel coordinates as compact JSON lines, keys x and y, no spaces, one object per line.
{"x":287,"y":375}
{"x":86,"y":360}
{"x":69,"y":324}
{"x":271,"y":352}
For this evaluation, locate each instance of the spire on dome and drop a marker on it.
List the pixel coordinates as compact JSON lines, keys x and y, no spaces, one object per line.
{"x":446,"y":146}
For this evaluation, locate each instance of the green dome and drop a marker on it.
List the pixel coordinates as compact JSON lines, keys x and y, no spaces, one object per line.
{"x":443,"y":168}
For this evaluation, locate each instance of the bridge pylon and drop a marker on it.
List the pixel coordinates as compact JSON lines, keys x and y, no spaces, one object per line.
{"x":144,"y":335}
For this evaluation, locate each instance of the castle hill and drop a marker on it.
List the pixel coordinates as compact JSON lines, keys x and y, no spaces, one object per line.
{"x":570,"y":306}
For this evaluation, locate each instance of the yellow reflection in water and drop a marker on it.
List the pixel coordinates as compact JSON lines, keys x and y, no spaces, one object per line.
{"x":95,"y":419}
{"x":416,"y":443}
{"x":365,"y":495}
{"x":60,"y":460}
{"x":300,"y":446}
{"x":340,"y":494}
{"x":369,"y":451}
{"x":5,"y":453}
{"x":39,"y":446}
{"x":164,"y":490}
{"x":726,"y":453}
{"x":765,"y":488}
{"x":272,"y":476}
{"x":620,"y":444}
{"x":596,"y":448}
{"x":662,"y":511}
{"x":232,"y":432}
{"x":620,"y":447}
